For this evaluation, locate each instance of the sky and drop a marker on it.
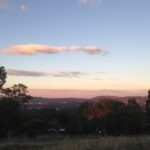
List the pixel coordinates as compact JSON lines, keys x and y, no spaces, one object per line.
{"x":54,"y":46}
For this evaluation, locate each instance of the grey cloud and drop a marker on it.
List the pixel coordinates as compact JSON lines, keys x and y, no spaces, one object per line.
{"x":15,"y":72}
{"x":75,"y":74}
{"x":61,"y":74}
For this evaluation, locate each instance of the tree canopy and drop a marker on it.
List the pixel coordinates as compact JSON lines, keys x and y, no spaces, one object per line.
{"x":17,"y":91}
{"x":3,"y":75}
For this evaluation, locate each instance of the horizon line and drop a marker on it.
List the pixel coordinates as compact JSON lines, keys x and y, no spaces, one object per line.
{"x":81,"y":93}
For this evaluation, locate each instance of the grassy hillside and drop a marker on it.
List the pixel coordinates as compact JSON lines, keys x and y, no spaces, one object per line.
{"x":79,"y":143}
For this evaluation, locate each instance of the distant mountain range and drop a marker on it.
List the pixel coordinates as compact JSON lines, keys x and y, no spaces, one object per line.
{"x":73,"y":102}
{"x":67,"y":93}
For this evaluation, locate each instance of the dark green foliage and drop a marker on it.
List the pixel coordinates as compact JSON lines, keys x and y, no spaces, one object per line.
{"x":148,"y":103}
{"x":113,"y":117}
{"x":105,"y":117}
{"x":9,"y":116}
{"x":3,"y":75}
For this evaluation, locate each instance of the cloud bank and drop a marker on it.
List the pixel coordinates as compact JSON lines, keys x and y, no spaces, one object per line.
{"x":62,"y":74}
{"x":31,"y":49}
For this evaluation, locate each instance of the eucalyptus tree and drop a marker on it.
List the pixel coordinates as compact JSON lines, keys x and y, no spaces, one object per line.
{"x":3,"y":75}
{"x":148,"y":103}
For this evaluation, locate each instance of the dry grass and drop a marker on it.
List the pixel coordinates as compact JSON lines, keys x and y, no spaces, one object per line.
{"x":79,"y":143}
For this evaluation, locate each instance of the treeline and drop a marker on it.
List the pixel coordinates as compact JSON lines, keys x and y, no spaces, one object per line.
{"x":105,"y":117}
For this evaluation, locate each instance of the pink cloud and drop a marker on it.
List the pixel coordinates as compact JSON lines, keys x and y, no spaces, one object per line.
{"x":30,"y":49}
{"x":93,"y":49}
{"x":88,"y":49}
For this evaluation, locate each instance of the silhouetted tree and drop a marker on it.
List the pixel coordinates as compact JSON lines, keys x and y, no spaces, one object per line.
{"x":9,"y":116}
{"x":102,"y":110}
{"x":19,"y":89}
{"x":86,"y":109}
{"x":148,"y":103}
{"x":99,"y":112}
{"x":114,"y":119}
{"x":133,"y":118}
{"x":3,"y":75}
{"x":148,"y":112}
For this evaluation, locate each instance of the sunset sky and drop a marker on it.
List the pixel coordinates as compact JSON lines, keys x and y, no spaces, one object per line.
{"x":77,"y":45}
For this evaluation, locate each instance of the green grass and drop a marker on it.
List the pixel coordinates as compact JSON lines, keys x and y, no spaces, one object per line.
{"x":79,"y":143}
